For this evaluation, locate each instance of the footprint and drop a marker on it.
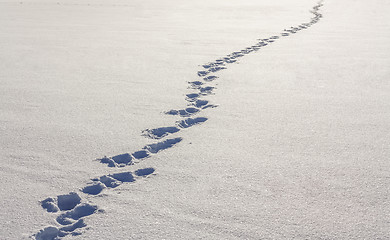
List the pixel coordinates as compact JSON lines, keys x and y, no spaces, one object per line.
{"x":206,"y":90}
{"x":231,"y":61}
{"x":200,"y":103}
{"x":62,"y":202}
{"x":114,"y":180}
{"x":209,"y":106}
{"x":217,"y":63}
{"x":50,"y":205}
{"x":94,"y":189}
{"x":123,"y":177}
{"x":78,"y":212}
{"x":203,"y":73}
{"x":162,"y":132}
{"x":68,"y":201}
{"x":216,"y":69}
{"x":48,"y":233}
{"x":262,"y":44}
{"x":73,"y":219}
{"x":192,"y":110}
{"x":157,"y":147}
{"x":144,"y":172}
{"x":237,"y":54}
{"x":108,"y":181}
{"x":192,"y":97}
{"x":183,"y":112}
{"x":210,"y":78}
{"x":189,"y":122}
{"x":159,"y":133}
{"x":123,"y":159}
{"x":141,"y":154}
{"x":195,"y":84}
{"x":247,"y":50}
{"x":71,"y":228}
{"x":255,"y":48}
{"x":108,"y":161}
{"x":73,"y":210}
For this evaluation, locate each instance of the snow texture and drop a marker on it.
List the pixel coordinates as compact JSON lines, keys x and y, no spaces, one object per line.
{"x":267,"y":145}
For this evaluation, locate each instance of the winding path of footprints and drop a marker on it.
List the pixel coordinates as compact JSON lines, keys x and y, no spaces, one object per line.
{"x":70,"y":209}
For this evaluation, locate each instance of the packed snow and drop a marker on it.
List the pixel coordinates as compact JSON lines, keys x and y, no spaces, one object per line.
{"x":179,"y":119}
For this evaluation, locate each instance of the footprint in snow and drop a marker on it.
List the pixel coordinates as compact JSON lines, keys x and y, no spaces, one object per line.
{"x":145,"y":152}
{"x":195,"y":84}
{"x":210,"y":78}
{"x":183,"y":112}
{"x":114,"y":180}
{"x":72,"y":210}
{"x":158,"y":133}
{"x":71,"y":213}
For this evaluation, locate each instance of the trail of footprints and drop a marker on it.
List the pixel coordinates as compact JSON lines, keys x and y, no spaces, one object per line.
{"x":70,"y":209}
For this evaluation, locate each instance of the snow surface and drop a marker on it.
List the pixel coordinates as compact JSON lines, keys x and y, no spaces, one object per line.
{"x":112,"y":126}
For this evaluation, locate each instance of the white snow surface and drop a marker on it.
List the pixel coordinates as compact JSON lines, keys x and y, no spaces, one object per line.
{"x":295,"y":146}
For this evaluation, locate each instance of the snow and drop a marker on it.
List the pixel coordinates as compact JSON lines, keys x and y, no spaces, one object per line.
{"x":180,"y":119}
